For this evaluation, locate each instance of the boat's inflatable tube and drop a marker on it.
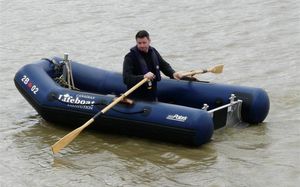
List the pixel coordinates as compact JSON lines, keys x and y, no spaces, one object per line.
{"x":177,"y":117}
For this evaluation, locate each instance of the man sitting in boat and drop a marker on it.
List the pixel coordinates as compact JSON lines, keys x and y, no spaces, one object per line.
{"x":144,"y":61}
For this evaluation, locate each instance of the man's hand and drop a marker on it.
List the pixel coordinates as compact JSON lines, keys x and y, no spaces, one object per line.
{"x":177,"y":75}
{"x":149,"y":76}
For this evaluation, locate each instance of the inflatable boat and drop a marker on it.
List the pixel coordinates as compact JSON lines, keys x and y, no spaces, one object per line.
{"x":187,"y":112}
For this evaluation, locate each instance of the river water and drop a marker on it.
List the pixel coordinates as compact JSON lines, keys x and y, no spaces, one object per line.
{"x":258,"y":41}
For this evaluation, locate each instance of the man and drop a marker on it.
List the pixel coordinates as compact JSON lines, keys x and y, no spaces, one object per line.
{"x":144,"y":61}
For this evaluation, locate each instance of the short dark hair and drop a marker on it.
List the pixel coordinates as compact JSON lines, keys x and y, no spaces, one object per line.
{"x":142,"y":34}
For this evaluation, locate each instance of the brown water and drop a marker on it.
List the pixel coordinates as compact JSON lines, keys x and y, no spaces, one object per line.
{"x":257,"y":41}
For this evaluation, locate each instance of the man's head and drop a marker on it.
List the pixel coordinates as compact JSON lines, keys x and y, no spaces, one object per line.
{"x":143,"y":40}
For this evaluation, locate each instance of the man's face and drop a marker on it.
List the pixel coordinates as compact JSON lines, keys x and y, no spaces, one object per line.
{"x":143,"y":44}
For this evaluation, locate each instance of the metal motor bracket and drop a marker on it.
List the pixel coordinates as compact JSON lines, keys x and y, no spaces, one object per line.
{"x":233,"y":111}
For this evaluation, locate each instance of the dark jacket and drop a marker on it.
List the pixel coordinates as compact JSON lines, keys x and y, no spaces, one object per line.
{"x":136,"y":64}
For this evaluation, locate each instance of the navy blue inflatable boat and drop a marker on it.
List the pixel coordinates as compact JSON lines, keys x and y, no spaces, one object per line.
{"x":180,"y":116}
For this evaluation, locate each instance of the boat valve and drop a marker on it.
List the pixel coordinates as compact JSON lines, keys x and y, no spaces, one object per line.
{"x":205,"y":107}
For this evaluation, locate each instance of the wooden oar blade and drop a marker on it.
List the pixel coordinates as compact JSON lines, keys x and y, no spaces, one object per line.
{"x":64,"y":141}
{"x":217,"y":69}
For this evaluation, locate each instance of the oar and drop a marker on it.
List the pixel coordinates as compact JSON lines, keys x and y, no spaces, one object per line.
{"x":72,"y":135}
{"x":216,"y":69}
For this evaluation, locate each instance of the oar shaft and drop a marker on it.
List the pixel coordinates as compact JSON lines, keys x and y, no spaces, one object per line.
{"x":216,"y":69}
{"x":123,"y":96}
{"x":191,"y":73}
